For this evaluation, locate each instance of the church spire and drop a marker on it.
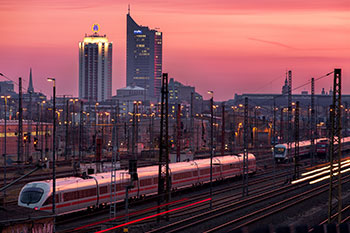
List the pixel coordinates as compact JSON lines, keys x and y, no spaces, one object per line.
{"x":30,"y":86}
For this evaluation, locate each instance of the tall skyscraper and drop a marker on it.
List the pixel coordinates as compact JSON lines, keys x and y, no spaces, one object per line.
{"x":143,"y":57}
{"x":95,"y":67}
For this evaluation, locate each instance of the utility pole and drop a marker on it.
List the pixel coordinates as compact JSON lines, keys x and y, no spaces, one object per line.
{"x":178,"y":133}
{"x":29,"y":133}
{"x":117,"y":130}
{"x":289,"y":114}
{"x":192,"y":131}
{"x":245,"y":152}
{"x":211,"y":145}
{"x":42,"y":130}
{"x":274,"y":139}
{"x":151,"y":140}
{"x":80,"y":131}
{"x":5,"y":137}
{"x":223,"y":130}
{"x":313,"y":131}
{"x":335,"y":190}
{"x":133,"y":142}
{"x":113,"y":197}
{"x":346,"y":120}
{"x":255,"y":141}
{"x":281,"y":127}
{"x":67,"y":129}
{"x":73,"y":130}
{"x":20,"y":122}
{"x":53,"y":149}
{"x":296,"y":143}
{"x":163,"y":170}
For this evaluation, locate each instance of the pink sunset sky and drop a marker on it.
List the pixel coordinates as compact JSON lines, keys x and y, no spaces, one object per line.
{"x":228,"y":46}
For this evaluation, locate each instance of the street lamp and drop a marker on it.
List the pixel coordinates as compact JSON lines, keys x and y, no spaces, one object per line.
{"x":5,"y":163}
{"x":96,"y":120}
{"x":42,"y":129}
{"x":211,"y":145}
{"x":53,"y":145}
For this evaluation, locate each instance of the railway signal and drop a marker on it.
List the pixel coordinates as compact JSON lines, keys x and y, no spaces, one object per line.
{"x":133,"y":169}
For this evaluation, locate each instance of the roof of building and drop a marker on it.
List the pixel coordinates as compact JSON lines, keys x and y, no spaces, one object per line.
{"x":132,"y":88}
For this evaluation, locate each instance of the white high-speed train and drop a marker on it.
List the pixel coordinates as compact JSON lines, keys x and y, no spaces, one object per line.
{"x":75,"y":193}
{"x":282,"y":155}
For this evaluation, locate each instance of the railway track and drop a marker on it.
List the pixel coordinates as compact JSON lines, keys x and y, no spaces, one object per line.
{"x":250,"y":218}
{"x":263,"y":178}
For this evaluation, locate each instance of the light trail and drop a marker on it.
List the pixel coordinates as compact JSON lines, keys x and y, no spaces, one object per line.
{"x":152,"y":216}
{"x":323,"y":170}
{"x":309,"y":177}
{"x":327,"y":177}
{"x":316,"y":170}
{"x":133,"y":213}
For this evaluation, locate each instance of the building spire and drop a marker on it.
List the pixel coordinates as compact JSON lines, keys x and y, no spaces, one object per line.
{"x":30,"y":86}
{"x":128,"y":9}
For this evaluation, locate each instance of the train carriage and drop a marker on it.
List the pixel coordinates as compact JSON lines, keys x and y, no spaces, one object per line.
{"x":281,"y":152}
{"x":76,"y":193}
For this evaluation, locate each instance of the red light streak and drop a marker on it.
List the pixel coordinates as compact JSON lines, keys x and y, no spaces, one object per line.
{"x":133,"y":213}
{"x":152,"y":216}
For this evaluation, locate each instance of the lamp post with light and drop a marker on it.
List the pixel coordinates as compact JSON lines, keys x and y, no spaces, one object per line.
{"x":42,"y":130}
{"x":5,"y":163}
{"x":53,"y":145}
{"x":211,"y":145}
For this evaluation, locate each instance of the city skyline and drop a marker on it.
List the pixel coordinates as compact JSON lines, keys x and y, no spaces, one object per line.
{"x":227,"y":47}
{"x":144,"y":57}
{"x":95,"y":67}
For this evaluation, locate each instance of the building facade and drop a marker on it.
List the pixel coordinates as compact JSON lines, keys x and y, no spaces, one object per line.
{"x":144,"y":57}
{"x":95,"y":67}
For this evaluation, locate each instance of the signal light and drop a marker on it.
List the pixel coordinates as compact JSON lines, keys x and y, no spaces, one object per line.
{"x":25,"y":138}
{"x":36,"y":142}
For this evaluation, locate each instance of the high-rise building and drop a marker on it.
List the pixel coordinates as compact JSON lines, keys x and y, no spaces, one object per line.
{"x":143,"y":57}
{"x":95,"y":67}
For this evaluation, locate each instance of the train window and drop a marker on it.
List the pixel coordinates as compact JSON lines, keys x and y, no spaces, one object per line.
{"x":121,"y":187}
{"x":177,"y":176}
{"x":49,"y":200}
{"x":31,"y":195}
{"x":87,"y":193}
{"x":195,"y":173}
{"x":103,"y":190}
{"x":205,"y":171}
{"x":146,"y":182}
{"x":182,"y":175}
{"x":279,"y":150}
{"x":71,"y":196}
{"x":155,"y":180}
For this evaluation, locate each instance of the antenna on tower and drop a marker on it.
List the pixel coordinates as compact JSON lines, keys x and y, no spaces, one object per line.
{"x":128,"y":9}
